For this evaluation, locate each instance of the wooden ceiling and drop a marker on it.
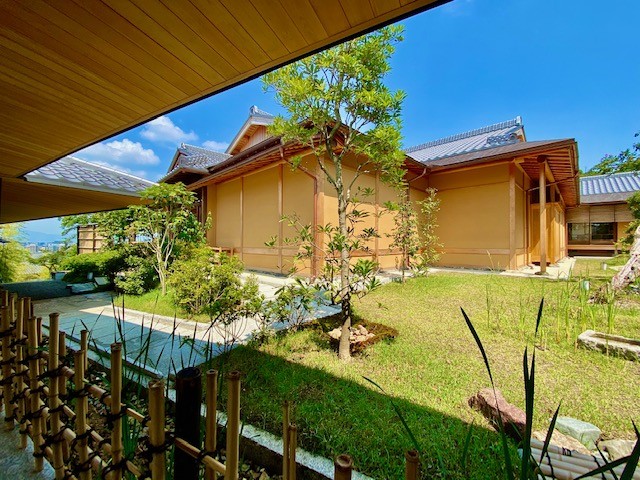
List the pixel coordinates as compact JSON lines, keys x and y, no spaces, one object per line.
{"x":75,"y":72}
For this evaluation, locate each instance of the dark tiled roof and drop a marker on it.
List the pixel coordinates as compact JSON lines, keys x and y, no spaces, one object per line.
{"x":488,"y":137}
{"x":196,"y":158}
{"x":76,"y":173}
{"x":615,"y":187}
{"x":487,"y":153}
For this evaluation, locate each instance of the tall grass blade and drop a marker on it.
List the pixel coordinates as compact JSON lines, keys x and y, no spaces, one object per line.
{"x":552,"y":426}
{"x":634,"y":458}
{"x":539,"y":316}
{"x":479,"y":343}
{"x":414,"y":440}
{"x":465,"y":448}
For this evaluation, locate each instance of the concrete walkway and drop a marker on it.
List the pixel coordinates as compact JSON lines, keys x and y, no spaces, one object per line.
{"x":18,"y":464}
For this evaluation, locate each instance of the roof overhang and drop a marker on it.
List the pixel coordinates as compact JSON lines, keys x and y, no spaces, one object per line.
{"x":75,"y":73}
{"x":22,"y":200}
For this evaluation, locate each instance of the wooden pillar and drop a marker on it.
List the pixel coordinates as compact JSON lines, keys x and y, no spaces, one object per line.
{"x":542,"y":184}
{"x":280,"y":213}
{"x":318,"y":220}
{"x":242,"y":218}
{"x":512,"y":216}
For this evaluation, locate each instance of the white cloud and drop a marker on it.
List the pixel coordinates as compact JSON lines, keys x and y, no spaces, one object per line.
{"x":119,"y":152}
{"x":162,"y":129}
{"x":216,"y":146}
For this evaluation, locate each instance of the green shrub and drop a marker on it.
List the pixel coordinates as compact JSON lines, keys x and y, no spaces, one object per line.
{"x":107,"y":263}
{"x":210,"y":284}
{"x":138,"y":278}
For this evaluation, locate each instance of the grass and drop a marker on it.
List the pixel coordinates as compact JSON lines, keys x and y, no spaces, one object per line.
{"x":156,"y":303}
{"x":433,"y":367}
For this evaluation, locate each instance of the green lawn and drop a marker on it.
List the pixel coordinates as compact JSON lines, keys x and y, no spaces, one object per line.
{"x":433,"y":366}
{"x":154,"y":302}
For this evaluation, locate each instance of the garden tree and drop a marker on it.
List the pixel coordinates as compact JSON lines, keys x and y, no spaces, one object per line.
{"x":112,"y":225}
{"x":339,"y":106}
{"x":12,"y":253}
{"x":626,"y":161}
{"x":52,"y":260}
{"x":405,"y":230}
{"x":430,"y":245}
{"x":634,"y":206}
{"x":165,"y":224}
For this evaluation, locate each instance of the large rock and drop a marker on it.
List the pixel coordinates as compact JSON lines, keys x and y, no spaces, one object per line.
{"x":617,"y":448}
{"x":513,"y":418}
{"x":559,"y":439}
{"x":585,"y":432}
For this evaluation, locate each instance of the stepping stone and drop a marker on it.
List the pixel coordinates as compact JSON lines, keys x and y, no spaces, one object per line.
{"x":617,"y":448}
{"x":101,"y":281}
{"x":82,"y":287}
{"x":585,"y":432}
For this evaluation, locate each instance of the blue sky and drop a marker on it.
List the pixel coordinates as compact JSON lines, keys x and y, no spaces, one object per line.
{"x":569,"y":67}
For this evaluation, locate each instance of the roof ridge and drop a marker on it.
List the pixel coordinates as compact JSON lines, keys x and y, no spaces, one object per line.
{"x":254,"y":110}
{"x":471,"y":133}
{"x":109,"y":169}
{"x":199,"y":148}
{"x":587,"y":177}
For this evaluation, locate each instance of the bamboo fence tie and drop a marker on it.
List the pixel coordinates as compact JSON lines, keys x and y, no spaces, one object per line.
{"x":34,"y":386}
{"x":211,"y":422}
{"x":286,"y":412}
{"x":233,"y":426}
{"x":412,"y":466}
{"x":343,"y":466}
{"x":81,"y":415}
{"x":156,"y":429}
{"x":209,"y":462}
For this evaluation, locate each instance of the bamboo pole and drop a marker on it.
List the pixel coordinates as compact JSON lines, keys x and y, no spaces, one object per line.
{"x":84,"y":345}
{"x":81,"y":412}
{"x":209,"y":462}
{"x":7,"y":371}
{"x":412,"y":466}
{"x":286,"y":412}
{"x":343,"y":466}
{"x":116,"y":407}
{"x":156,"y":428}
{"x":34,"y":371}
{"x":20,"y":369}
{"x":62,"y":381}
{"x":574,"y":465}
{"x":28,"y":313}
{"x":54,"y":399}
{"x":233,"y":426}
{"x":211,"y":422}
{"x":293,"y":443}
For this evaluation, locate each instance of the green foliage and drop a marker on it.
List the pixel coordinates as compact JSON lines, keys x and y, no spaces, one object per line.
{"x":626,"y":161}
{"x":405,"y":231}
{"x":12,"y":254}
{"x":429,"y":241}
{"x":167,"y":224}
{"x":207,"y":283}
{"x":339,"y":107}
{"x":53,"y":261}
{"x":634,"y":205}
{"x":293,"y":305}
{"x":138,"y":277}
{"x":106,"y":263}
{"x":114,"y":225}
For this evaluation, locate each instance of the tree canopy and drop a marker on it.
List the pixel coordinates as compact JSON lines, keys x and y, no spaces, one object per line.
{"x":626,"y":161}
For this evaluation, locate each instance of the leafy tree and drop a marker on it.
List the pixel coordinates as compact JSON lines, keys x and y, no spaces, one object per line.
{"x":405,"y":231}
{"x":53,"y":260}
{"x":12,"y":253}
{"x":114,"y":225}
{"x":166,"y":224}
{"x":430,"y":245}
{"x":626,"y":161}
{"x":339,"y":106}
{"x":634,"y":205}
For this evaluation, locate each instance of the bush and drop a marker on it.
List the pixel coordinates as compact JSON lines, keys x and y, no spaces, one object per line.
{"x":138,"y":278}
{"x":210,"y":284}
{"x":107,"y":263}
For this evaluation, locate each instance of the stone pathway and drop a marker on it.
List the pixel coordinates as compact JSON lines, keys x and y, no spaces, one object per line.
{"x":16,"y":463}
{"x":39,"y":289}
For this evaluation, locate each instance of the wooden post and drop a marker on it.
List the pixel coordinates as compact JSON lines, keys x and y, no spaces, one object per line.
{"x":233,"y":426}
{"x":343,"y":466}
{"x":62,"y":382}
{"x":54,"y":399}
{"x":20,"y":368}
{"x":513,"y":263}
{"x":412,"y":466}
{"x":156,"y":428}
{"x":7,"y":371}
{"x":82,"y":407}
{"x":542,"y":183}
{"x":286,"y":412}
{"x":116,"y":406}
{"x":188,"y":401}
{"x":34,"y":372}
{"x":293,"y":443}
{"x":211,"y":427}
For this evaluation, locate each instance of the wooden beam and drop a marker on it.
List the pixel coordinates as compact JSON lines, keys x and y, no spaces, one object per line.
{"x":512,"y":216}
{"x":280,"y":212}
{"x":542,"y":183}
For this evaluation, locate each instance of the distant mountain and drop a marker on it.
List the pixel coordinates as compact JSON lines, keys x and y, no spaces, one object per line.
{"x":31,"y":236}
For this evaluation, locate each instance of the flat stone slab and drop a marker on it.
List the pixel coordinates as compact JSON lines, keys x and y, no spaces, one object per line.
{"x":617,"y":448}
{"x":561,"y":440}
{"x":18,"y":464}
{"x":82,"y":287}
{"x":101,"y":281}
{"x":585,"y":432}
{"x":613,"y":344}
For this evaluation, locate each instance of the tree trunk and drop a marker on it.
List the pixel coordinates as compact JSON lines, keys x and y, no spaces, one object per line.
{"x":344,"y":350}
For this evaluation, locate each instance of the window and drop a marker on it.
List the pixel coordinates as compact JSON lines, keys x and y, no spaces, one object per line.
{"x":602,"y":232}
{"x":591,"y":233}
{"x":579,"y":233}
